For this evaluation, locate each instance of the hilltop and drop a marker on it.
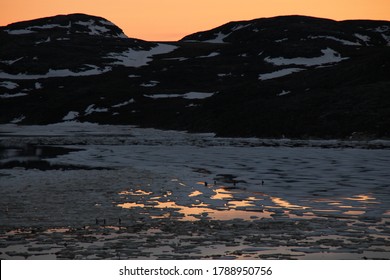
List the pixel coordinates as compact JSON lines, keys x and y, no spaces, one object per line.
{"x":290,"y":76}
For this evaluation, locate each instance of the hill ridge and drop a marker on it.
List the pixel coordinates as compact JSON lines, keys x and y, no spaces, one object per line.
{"x":267,"y":77}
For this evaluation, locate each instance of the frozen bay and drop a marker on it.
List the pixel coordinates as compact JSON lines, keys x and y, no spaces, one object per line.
{"x":220,"y":197}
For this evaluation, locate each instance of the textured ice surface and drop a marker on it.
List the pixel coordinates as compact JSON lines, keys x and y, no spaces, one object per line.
{"x":221,"y":197}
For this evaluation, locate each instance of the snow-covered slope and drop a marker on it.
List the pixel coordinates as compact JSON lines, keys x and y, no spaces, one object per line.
{"x":69,"y":25}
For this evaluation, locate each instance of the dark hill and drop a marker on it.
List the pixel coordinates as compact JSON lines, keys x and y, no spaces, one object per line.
{"x":293,"y":76}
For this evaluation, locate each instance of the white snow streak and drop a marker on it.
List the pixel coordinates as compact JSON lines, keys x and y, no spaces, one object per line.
{"x":220,"y":37}
{"x":363,"y":38}
{"x":91,"y":109}
{"x":279,"y":73}
{"x":19,"y":32}
{"x":134,"y":58}
{"x":344,"y":42}
{"x":56,"y":73}
{"x":123,"y":103}
{"x":9,"y":85}
{"x":10,"y":62}
{"x":210,"y":55}
{"x":6,"y":95}
{"x":329,"y":56}
{"x":189,"y":95}
{"x":150,"y":84}
{"x":18,"y":120}
{"x":70,"y":116}
{"x":284,"y":92}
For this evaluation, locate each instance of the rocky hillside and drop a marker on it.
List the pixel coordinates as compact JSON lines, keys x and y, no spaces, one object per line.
{"x":287,"y":76}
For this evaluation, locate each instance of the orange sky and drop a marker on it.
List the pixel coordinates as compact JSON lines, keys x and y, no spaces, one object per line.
{"x":172,"y":19}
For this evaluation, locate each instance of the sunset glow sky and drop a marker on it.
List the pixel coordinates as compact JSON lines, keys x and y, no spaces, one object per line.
{"x":164,"y":20}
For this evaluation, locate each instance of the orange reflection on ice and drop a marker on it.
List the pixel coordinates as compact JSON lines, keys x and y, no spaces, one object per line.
{"x":221,"y":194}
{"x":136,"y":192}
{"x":239,"y":203}
{"x":130,"y":205}
{"x":198,"y":211}
{"x":354,"y":212}
{"x":284,"y":203}
{"x":195,"y":193}
{"x":362,"y":197}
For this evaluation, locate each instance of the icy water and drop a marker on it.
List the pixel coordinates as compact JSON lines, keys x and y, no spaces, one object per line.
{"x":89,"y":192}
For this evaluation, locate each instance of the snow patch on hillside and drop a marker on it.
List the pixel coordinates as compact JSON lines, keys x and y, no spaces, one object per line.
{"x":150,"y":84}
{"x":7,"y":95}
{"x":92,"y":109}
{"x":240,"y":26}
{"x":220,"y":37}
{"x":279,"y":73}
{"x":94,"y":70}
{"x":344,"y":42}
{"x":30,"y":30}
{"x":9,"y":85}
{"x":71,"y":116}
{"x":189,"y":95}
{"x":123,"y":103}
{"x":363,"y":38}
{"x":48,"y":40}
{"x":136,"y":58}
{"x":10,"y":62}
{"x":98,"y":30}
{"x":329,"y":56}
{"x":18,"y":119}
{"x":19,"y":32}
{"x":284,"y":92}
{"x":210,"y":55}
{"x":95,"y":28}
